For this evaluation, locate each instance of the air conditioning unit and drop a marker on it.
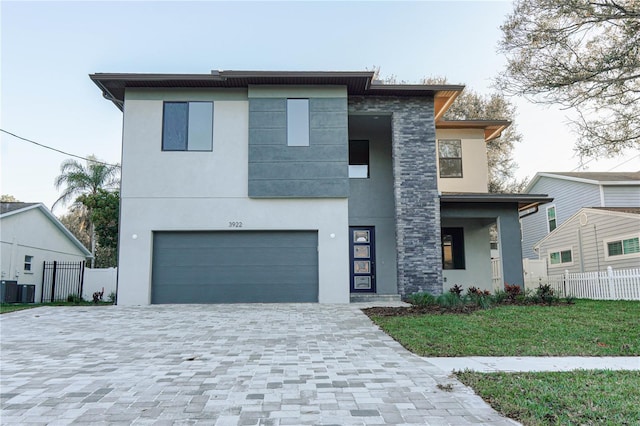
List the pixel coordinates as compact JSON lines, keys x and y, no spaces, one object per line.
{"x":9,"y":291}
{"x":26,"y":293}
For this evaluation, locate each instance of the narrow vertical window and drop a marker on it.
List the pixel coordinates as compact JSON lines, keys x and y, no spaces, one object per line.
{"x":298,"y":122}
{"x":450,"y":158}
{"x":453,"y":248}
{"x":359,"y":159}
{"x":27,"y":263}
{"x":551,"y":218}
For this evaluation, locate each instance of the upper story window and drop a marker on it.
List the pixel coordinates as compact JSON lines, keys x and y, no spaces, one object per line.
{"x":359,"y":159}
{"x":187,"y":126}
{"x":453,"y":248}
{"x":552,"y":223}
{"x":560,"y":257}
{"x":298,"y":122}
{"x":450,"y":156}
{"x":28,"y":263}
{"x":623,"y":247}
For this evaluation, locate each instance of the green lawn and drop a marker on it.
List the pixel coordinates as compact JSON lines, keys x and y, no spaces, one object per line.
{"x":566,"y":398}
{"x":587,"y":328}
{"x":12,"y":307}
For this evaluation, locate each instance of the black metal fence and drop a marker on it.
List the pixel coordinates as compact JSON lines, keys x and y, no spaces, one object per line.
{"x":61,"y":280}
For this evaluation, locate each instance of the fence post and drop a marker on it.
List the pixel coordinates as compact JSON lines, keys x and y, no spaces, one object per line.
{"x":53,"y":281}
{"x":564,"y":282}
{"x":44,"y":275}
{"x":612,"y":287}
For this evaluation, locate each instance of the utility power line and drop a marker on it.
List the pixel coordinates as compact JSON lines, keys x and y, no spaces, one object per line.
{"x":58,"y":150}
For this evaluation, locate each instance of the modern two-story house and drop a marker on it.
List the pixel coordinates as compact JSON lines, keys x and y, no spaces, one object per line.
{"x":265,"y":186}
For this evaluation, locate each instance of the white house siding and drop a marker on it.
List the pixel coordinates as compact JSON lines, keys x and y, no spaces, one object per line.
{"x":621,"y":195}
{"x":31,"y":233}
{"x":206,"y":191}
{"x":477,"y":252}
{"x":586,"y":240}
{"x":475,"y":174}
{"x":568,"y":197}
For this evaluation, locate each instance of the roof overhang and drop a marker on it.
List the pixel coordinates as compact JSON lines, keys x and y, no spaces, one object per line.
{"x":492,"y":128}
{"x":113,"y":85}
{"x":524,"y":201}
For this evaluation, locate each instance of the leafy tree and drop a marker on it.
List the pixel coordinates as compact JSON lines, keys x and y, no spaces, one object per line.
{"x":77,"y":179}
{"x":585,"y":56}
{"x":104,"y":208}
{"x":470,"y":105}
{"x":6,"y":198}
{"x":77,"y":222}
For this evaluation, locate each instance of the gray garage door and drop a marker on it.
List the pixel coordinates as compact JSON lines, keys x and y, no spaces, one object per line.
{"x":235,"y":267}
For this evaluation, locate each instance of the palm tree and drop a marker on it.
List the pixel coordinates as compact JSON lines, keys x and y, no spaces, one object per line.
{"x":77,"y":179}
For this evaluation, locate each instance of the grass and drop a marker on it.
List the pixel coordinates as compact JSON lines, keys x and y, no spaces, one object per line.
{"x":13,"y":307}
{"x":561,"y":398}
{"x":587,"y":328}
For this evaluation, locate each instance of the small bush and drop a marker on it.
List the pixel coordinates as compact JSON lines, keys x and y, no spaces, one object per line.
{"x":450,"y":300}
{"x":75,"y":298}
{"x":457,"y":290}
{"x":112,"y":297}
{"x":500,"y":296}
{"x":422,"y":299}
{"x":544,"y":294}
{"x":513,"y":291}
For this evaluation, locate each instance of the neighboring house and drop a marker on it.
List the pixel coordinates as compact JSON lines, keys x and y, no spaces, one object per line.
{"x":31,"y":235}
{"x":592,"y":240}
{"x":571,"y":191}
{"x":265,"y":186}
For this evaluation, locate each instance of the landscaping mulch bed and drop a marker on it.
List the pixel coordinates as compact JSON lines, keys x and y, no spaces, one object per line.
{"x":403,"y":311}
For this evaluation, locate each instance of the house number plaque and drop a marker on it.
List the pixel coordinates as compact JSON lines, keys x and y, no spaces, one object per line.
{"x":235,"y":224}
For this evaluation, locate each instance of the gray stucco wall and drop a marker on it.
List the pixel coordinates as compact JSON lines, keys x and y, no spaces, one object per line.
{"x":371,"y":200}
{"x":417,"y":205}
{"x":507,"y":219}
{"x":317,"y":170}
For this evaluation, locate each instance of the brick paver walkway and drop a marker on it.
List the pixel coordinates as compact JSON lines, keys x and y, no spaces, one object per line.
{"x":288,"y":364}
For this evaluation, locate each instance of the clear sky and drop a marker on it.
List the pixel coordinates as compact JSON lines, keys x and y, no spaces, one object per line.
{"x":49,"y":48}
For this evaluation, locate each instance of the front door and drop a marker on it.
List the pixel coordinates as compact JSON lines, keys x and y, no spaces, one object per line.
{"x":362,"y":256}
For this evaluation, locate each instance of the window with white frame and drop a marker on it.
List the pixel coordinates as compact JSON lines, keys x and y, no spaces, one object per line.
{"x":28,"y":260}
{"x":450,"y":158}
{"x":298,"y":122}
{"x":561,"y":257}
{"x":187,"y":126}
{"x":628,"y":246}
{"x":552,"y":222}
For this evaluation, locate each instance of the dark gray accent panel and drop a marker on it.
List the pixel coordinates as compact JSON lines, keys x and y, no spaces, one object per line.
{"x":235,"y":267}
{"x":415,"y":185}
{"x":281,"y":171}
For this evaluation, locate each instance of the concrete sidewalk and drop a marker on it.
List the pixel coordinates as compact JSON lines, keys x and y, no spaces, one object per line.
{"x":490,"y":364}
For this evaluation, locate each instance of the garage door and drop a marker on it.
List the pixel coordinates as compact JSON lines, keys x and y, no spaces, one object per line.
{"x":235,"y":267}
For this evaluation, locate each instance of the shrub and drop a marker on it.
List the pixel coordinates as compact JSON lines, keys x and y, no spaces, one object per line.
{"x":112,"y":298}
{"x":450,"y":300}
{"x":482,"y":298}
{"x":74,"y":298}
{"x":421,"y":299}
{"x":499,"y":297}
{"x":513,"y":291}
{"x":544,"y":294}
{"x":457,"y":290}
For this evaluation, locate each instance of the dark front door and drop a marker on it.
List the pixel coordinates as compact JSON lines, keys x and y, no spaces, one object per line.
{"x":363,"y":257}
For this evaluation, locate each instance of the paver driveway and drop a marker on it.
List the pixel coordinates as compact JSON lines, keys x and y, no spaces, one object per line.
{"x":220,"y":364}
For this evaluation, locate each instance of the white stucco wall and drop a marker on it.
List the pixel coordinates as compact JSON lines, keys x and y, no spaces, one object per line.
{"x":475,"y":175}
{"x":204,"y":191}
{"x":31,"y":233}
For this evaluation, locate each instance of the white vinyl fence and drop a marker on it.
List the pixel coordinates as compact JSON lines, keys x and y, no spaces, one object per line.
{"x":98,"y":280}
{"x":611,"y":284}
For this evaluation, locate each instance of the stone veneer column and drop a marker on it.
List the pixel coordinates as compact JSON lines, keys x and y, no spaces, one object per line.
{"x":417,"y":203}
